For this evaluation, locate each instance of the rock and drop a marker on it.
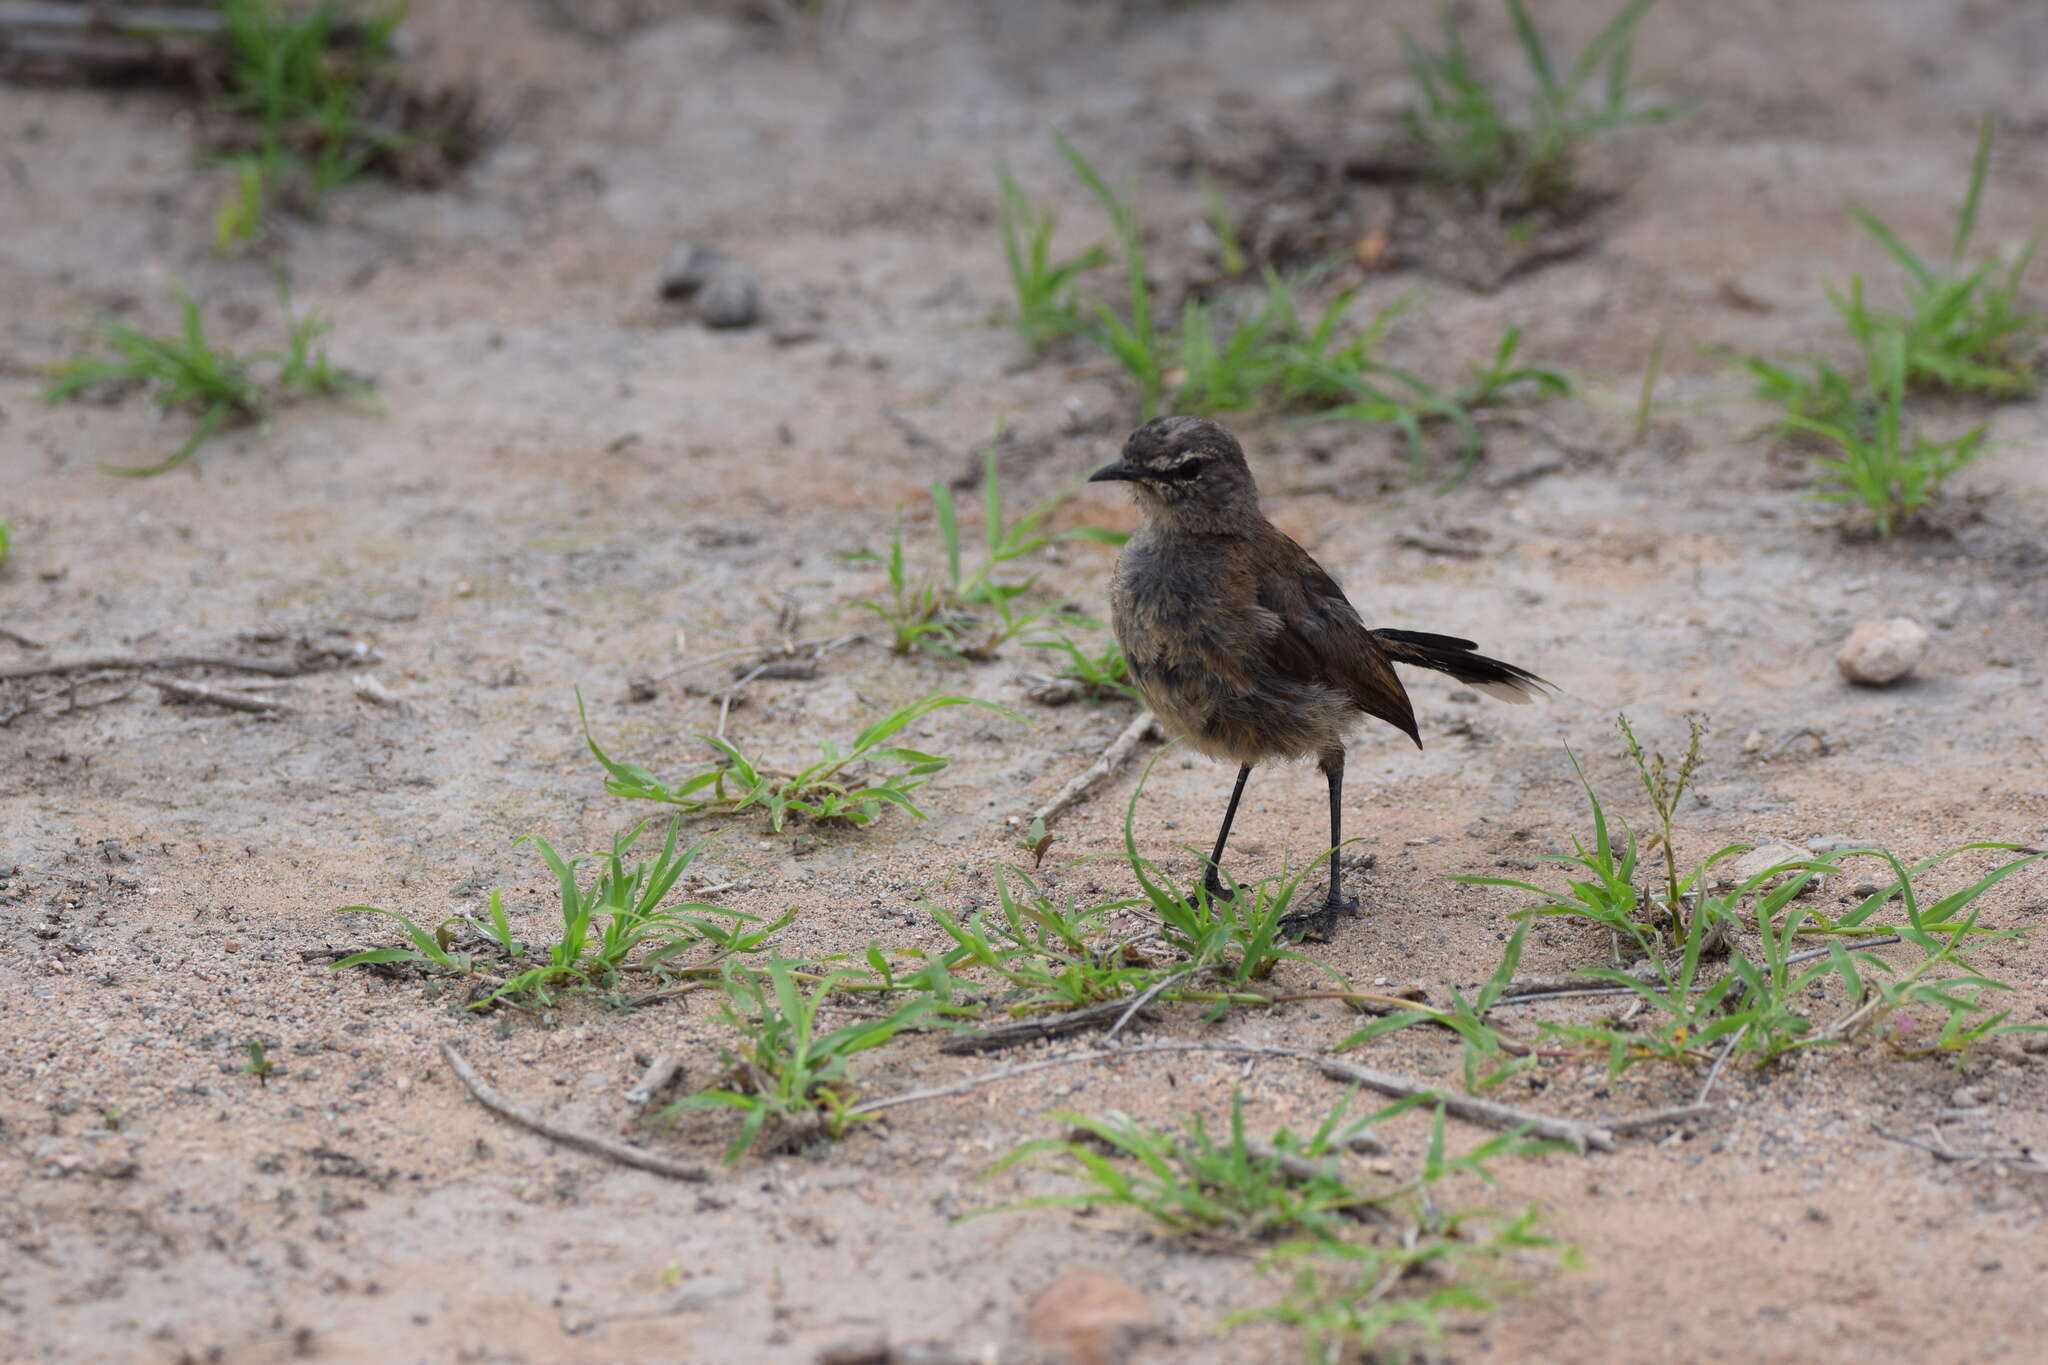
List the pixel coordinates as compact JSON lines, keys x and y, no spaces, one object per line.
{"x":687,"y":267}
{"x":1088,"y":1318}
{"x":1824,"y":844}
{"x":731,"y":297}
{"x":1764,"y":857}
{"x":1880,"y":652}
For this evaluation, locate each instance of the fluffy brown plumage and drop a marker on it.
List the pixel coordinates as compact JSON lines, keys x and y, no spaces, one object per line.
{"x":1242,"y":644}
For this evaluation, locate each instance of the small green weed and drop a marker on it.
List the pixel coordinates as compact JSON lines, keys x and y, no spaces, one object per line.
{"x":617,"y":924}
{"x":852,"y":784}
{"x":1963,"y":329}
{"x":1893,"y":477}
{"x":305,"y":97}
{"x":1227,"y":356}
{"x":1367,"y":1267}
{"x":6,"y":540}
{"x":967,"y":615}
{"x":785,"y":1069}
{"x":1133,"y":339}
{"x":1762,"y":1006}
{"x":1478,"y":142}
{"x":260,"y":1066}
{"x":186,"y":371}
{"x":1098,"y":673}
{"x":1047,"y":308}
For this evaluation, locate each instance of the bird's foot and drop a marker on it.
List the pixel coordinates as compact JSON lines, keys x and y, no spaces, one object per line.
{"x":1218,"y":893}
{"x":1319,"y":922}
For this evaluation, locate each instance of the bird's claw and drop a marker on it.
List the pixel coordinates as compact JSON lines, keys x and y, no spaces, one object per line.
{"x":1318,"y":923}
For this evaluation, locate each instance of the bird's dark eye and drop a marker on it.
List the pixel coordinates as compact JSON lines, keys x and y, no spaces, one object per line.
{"x":1186,"y":469}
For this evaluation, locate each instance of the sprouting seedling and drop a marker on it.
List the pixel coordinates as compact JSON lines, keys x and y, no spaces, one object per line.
{"x":260,"y":1066}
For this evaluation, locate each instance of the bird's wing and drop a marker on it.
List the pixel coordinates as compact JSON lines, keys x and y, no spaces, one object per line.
{"x":1313,"y":634}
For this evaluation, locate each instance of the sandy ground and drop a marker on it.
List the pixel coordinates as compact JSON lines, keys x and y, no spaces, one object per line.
{"x":569,"y":484}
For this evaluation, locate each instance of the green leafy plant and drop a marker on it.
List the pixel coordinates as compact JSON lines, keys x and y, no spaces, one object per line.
{"x":1044,"y":287}
{"x":1477,"y":139}
{"x":1963,"y":329}
{"x":1895,"y":478}
{"x":1763,"y":1004}
{"x":186,"y":371}
{"x":260,"y":1066}
{"x":1367,"y":1267}
{"x":6,"y":540}
{"x":970,"y":615}
{"x":1099,"y":673}
{"x":305,"y":95}
{"x":853,"y":784}
{"x":618,"y":922}
{"x":1047,"y":955}
{"x":1133,"y":338}
{"x":786,"y":1070}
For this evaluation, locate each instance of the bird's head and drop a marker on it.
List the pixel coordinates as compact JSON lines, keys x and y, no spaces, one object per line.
{"x":1186,"y":468}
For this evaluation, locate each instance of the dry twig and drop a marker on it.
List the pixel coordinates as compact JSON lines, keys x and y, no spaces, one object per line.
{"x":1114,"y":757}
{"x":174,"y":690}
{"x":661,"y":1073}
{"x":1485,"y":1113}
{"x":568,"y":1137}
{"x":310,"y":661}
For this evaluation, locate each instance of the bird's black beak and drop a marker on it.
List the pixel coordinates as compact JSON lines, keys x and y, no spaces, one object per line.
{"x":1123,"y":471}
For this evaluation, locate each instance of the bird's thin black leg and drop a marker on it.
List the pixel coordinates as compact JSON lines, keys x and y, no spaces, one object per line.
{"x":1212,"y":880}
{"x":1333,"y":768}
{"x":1318,"y":922}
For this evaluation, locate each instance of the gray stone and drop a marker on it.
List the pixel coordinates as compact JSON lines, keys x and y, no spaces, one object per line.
{"x":1880,"y":652}
{"x":731,"y":297}
{"x":687,"y":268}
{"x":1764,"y":857}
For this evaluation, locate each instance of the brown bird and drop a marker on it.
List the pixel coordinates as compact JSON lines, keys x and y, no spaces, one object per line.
{"x":1242,"y":645}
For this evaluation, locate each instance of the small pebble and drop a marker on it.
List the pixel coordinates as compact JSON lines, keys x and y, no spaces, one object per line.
{"x":1880,"y":652}
{"x":1766,"y":856}
{"x":687,"y":268}
{"x":731,"y":297}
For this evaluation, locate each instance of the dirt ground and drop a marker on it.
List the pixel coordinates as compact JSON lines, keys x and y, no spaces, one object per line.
{"x":570,"y":484}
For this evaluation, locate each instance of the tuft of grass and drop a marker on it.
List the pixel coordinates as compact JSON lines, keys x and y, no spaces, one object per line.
{"x":1529,"y":159}
{"x":969,"y":615}
{"x":1963,"y":328}
{"x":1892,"y":476}
{"x":1226,"y":357}
{"x":259,"y":1065}
{"x":187,"y":372}
{"x":853,"y":784}
{"x":616,"y":923}
{"x":1764,"y":1003}
{"x":1368,"y":1268}
{"x":305,"y":97}
{"x":1100,"y":673}
{"x":6,"y":540}
{"x":786,"y":1073}
{"x":1045,"y":288}
{"x":1133,"y":338}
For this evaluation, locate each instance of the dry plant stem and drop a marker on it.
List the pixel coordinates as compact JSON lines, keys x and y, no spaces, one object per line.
{"x":1485,"y":1113}
{"x":1115,"y":756}
{"x":1537,"y":989}
{"x":1657,"y":1118}
{"x":823,"y":644}
{"x":376,"y":693}
{"x":1721,"y":1061}
{"x":1035,"y":1030}
{"x":119,"y":663}
{"x":1150,"y":993}
{"x":659,"y":1076}
{"x":16,"y":637}
{"x":214,"y":696}
{"x":2015,"y":1160}
{"x":568,"y":1137}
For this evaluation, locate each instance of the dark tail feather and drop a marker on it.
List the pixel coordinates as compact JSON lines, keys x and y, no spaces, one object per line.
{"x":1448,"y":654}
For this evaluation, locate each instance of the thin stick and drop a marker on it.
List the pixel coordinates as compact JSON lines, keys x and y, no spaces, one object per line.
{"x":1034,"y":1030}
{"x":1482,"y":1112}
{"x":1684,"y":1113}
{"x":2018,"y":1160}
{"x":1485,"y":1113}
{"x":214,"y":696}
{"x":659,"y":1076}
{"x":1537,"y":989}
{"x":1115,"y":756}
{"x":128,"y":663}
{"x":568,"y":1137}
{"x":1721,"y":1061}
{"x":1149,"y":994}
{"x":16,"y":637}
{"x":1651,"y":374}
